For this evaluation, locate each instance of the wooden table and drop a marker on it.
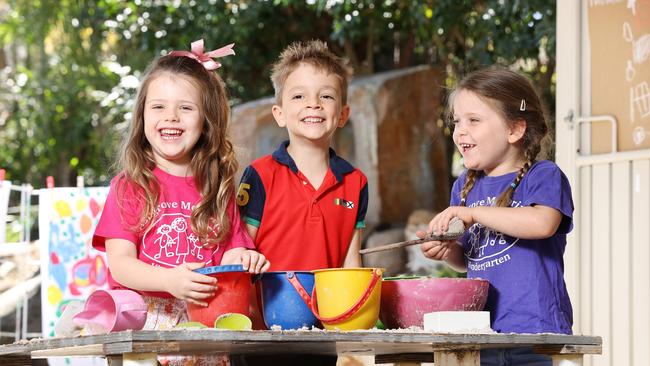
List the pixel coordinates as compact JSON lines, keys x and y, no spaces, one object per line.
{"x":141,"y":347}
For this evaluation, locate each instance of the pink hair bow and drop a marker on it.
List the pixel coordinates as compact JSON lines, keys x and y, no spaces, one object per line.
{"x":206,"y":58}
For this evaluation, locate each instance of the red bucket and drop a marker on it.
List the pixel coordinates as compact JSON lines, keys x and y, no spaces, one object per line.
{"x":231,"y":296}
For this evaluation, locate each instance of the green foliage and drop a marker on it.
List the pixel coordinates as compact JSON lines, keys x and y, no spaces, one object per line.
{"x":73,"y":65}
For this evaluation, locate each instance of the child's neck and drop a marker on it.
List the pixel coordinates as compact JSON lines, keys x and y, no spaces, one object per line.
{"x":312,"y":161}
{"x":178,"y":170}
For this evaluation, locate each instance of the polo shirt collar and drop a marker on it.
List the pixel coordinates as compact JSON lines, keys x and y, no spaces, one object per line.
{"x":339,"y":166}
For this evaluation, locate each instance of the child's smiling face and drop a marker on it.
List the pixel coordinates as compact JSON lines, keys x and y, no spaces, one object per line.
{"x":173,"y":121}
{"x":312,"y":105}
{"x":483,"y":137}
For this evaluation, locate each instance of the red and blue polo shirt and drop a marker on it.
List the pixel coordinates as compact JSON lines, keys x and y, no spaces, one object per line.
{"x":301,"y":228}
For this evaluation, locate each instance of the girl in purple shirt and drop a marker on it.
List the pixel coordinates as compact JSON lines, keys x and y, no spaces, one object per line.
{"x":517,"y":210}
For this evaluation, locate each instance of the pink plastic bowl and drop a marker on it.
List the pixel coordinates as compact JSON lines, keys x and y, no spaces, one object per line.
{"x":404,"y":301}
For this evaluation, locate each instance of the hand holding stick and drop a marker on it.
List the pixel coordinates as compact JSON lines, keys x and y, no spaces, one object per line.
{"x":455,"y":230}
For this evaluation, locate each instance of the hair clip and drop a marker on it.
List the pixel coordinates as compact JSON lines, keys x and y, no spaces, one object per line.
{"x":206,"y":58}
{"x":522,"y":105}
{"x":513,"y":185}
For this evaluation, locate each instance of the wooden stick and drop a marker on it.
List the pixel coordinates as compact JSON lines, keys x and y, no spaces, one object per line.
{"x":432,"y":237}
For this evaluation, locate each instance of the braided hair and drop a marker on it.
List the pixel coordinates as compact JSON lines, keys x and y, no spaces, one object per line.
{"x":515,"y":99}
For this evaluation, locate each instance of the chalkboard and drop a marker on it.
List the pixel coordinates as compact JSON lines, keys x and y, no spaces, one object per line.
{"x":619,"y":38}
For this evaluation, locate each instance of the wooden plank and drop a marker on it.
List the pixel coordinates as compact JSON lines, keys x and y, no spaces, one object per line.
{"x":87,"y":350}
{"x":583,"y":305}
{"x":567,"y":349}
{"x":299,"y":342}
{"x":620,"y":249}
{"x":601,"y":260}
{"x":640,"y":271}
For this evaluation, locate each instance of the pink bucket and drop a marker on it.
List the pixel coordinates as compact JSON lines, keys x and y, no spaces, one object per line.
{"x":113,"y":310}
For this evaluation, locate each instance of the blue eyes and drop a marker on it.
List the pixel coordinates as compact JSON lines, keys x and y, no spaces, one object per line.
{"x":326,"y":96}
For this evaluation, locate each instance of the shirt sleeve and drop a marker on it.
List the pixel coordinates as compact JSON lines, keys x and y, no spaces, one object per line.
{"x":251,"y":197}
{"x":547,"y":185}
{"x":111,"y":225}
{"x":363,"y":208}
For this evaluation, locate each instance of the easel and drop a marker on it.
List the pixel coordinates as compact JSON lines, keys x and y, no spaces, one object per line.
{"x":18,"y":251}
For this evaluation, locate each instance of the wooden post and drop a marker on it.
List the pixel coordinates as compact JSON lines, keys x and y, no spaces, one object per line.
{"x":567,"y":360}
{"x":457,"y":358}
{"x":139,"y":359}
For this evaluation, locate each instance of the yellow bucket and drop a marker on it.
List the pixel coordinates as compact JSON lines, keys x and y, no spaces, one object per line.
{"x":347,"y":298}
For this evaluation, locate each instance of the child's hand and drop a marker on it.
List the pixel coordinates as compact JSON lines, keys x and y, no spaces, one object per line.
{"x":438,"y":250}
{"x":193,"y":287}
{"x":440,"y":223}
{"x":254,"y":262}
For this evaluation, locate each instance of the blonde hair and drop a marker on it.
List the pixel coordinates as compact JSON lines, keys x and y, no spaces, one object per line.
{"x":315,"y":53}
{"x":514,"y":98}
{"x":213,"y":162}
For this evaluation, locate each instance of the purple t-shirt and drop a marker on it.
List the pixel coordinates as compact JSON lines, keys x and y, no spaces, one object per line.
{"x":527,"y":290}
{"x":170,"y":241}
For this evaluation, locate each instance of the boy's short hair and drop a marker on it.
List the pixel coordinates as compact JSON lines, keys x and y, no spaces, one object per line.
{"x":315,"y":53}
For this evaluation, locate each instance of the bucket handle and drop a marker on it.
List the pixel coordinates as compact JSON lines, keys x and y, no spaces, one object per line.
{"x":293,"y":280}
{"x":376,"y":276}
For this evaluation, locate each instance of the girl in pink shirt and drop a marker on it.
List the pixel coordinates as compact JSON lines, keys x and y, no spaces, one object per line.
{"x":171,"y":209}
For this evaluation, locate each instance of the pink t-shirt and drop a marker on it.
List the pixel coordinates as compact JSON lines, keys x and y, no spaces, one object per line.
{"x":170,"y":241}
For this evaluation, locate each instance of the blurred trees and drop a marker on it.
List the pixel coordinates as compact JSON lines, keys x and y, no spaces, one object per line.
{"x":70,"y":68}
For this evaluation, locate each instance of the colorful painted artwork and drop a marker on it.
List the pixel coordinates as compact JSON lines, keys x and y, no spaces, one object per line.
{"x":70,"y":268}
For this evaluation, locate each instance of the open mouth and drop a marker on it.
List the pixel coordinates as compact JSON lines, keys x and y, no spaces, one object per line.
{"x":466,"y":147}
{"x":313,"y":120}
{"x":170,"y":133}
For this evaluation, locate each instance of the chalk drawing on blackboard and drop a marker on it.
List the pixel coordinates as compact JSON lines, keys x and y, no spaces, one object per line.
{"x":640,"y":100}
{"x":631,"y":4}
{"x":638,"y":135}
{"x":593,"y":3}
{"x":630,"y":71}
{"x":640,"y":47}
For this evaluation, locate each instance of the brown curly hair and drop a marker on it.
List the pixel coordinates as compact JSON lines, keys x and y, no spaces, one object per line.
{"x":213,"y":162}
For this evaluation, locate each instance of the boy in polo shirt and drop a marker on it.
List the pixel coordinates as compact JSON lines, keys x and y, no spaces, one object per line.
{"x":303,"y":205}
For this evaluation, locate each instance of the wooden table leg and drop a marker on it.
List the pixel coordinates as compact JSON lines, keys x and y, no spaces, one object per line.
{"x":457,"y":358}
{"x":567,"y":360}
{"x":16,"y":360}
{"x":139,"y":359}
{"x":114,"y":360}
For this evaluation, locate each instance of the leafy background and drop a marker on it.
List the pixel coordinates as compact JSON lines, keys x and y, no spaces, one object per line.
{"x":70,"y":69}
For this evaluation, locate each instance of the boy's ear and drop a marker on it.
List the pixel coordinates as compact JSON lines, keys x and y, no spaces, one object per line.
{"x":517,"y":131}
{"x":277,"y":114}
{"x":345,"y":115}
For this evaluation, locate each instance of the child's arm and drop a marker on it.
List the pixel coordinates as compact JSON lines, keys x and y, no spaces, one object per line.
{"x":180,"y":281}
{"x":252,"y":231}
{"x":353,"y":258}
{"x":531,"y":222}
